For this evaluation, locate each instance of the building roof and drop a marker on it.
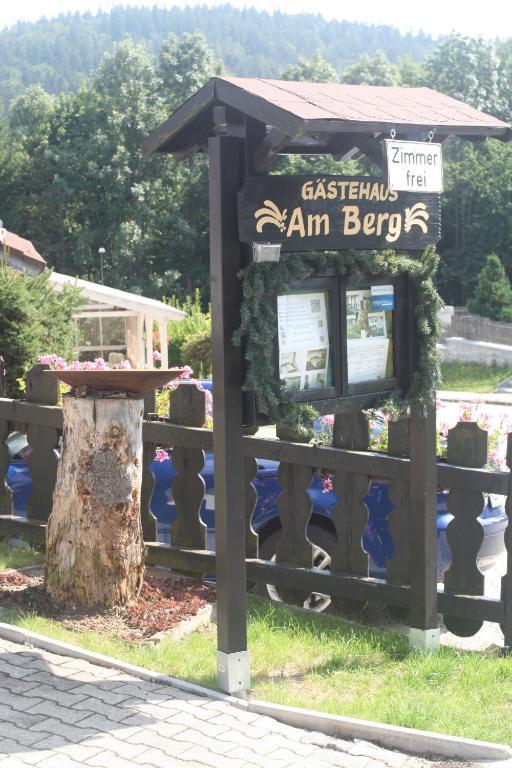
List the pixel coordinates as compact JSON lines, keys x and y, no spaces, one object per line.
{"x":23,"y":249}
{"x":113,"y":297}
{"x":305,"y":109}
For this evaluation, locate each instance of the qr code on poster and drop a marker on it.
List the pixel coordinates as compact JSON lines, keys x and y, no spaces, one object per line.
{"x":315,"y":305}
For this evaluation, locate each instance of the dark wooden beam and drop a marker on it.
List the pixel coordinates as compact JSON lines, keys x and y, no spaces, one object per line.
{"x":226,"y":170}
{"x":271,"y":145}
{"x":372,"y":148}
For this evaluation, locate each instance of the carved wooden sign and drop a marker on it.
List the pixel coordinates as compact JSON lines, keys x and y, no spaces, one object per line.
{"x":306,"y":213}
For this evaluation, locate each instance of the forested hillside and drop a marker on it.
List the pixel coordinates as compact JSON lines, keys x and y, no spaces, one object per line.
{"x":59,"y":54}
{"x":73,"y":180}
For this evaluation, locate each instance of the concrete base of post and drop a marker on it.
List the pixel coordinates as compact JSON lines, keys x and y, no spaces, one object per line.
{"x":424,"y":639}
{"x":233,"y":671}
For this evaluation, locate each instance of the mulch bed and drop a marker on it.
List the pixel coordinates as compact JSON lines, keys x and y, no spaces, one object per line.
{"x":163,"y":603}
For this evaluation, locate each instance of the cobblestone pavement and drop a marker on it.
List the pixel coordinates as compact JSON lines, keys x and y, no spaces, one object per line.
{"x":60,"y":712}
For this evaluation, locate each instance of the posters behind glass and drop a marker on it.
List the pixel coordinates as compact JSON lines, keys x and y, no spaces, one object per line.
{"x":303,"y":340}
{"x":368,"y":343}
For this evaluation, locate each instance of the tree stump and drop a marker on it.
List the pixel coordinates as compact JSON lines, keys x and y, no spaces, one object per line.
{"x":94,"y":541}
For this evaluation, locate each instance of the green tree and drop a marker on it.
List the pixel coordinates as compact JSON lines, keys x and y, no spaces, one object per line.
{"x":196,"y":325}
{"x":493,"y":294}
{"x":371,"y":71}
{"x":315,"y":70}
{"x":476,"y":214}
{"x":468,"y":69}
{"x":34,"y":319}
{"x":184,"y":66}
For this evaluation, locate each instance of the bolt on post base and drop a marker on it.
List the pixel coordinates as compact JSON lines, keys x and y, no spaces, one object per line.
{"x":424,"y":639}
{"x":233,"y":671}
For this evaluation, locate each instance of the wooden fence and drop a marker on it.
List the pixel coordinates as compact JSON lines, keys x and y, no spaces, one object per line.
{"x":351,"y":466}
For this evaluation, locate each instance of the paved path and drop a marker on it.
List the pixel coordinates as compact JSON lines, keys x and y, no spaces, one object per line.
{"x":59,"y":712}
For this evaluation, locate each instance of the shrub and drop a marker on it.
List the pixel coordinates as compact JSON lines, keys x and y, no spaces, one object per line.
{"x":493,"y":293}
{"x":198,"y":354}
{"x":33,"y":319}
{"x":194,"y":327}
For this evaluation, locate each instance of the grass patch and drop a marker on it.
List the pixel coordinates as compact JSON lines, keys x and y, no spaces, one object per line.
{"x":17,"y":557}
{"x":473,"y":377}
{"x":331,"y":665}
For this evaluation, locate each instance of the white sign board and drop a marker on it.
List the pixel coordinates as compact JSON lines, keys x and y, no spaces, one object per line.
{"x":303,"y":340}
{"x":414,"y":166}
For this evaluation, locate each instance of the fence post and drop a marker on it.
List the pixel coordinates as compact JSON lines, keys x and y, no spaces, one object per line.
{"x":3,"y":390}
{"x":294,"y":508}
{"x":467,"y":447}
{"x":424,"y":630}
{"x":187,"y":408}
{"x":350,"y":514}
{"x":251,"y":498}
{"x":5,"y":492}
{"x":506,"y":582}
{"x":399,"y":445}
{"x":43,"y":390}
{"x":148,"y":481}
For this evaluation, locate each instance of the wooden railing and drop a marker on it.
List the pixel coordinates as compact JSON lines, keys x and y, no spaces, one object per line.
{"x":351,"y":467}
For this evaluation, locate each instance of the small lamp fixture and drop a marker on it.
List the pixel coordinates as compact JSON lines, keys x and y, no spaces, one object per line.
{"x":266,"y":252}
{"x":101,"y":252}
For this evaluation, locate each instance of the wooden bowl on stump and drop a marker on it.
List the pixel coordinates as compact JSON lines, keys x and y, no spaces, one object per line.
{"x":129,"y":380}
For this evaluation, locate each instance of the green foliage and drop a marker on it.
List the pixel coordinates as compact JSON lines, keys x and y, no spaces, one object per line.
{"x":60,"y":54}
{"x":74,"y":179}
{"x":262,"y":282}
{"x":477,"y":214}
{"x":372,"y":71}
{"x":473,"y":377}
{"x":197,"y":353}
{"x":185,"y":66}
{"x":193,"y":330}
{"x":468,"y":69}
{"x":34,"y":319}
{"x":315,"y":70}
{"x":493,"y":294}
{"x":18,"y":557}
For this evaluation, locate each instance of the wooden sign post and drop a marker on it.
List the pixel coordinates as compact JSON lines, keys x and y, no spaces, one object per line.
{"x":243,"y":124}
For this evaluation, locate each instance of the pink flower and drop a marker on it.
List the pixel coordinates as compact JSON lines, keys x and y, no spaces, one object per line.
{"x":161,"y":455}
{"x":100,"y":364}
{"x":187,"y":373}
{"x":125,"y":365}
{"x":157,"y":356}
{"x":54,"y":361}
{"x":327,"y":483}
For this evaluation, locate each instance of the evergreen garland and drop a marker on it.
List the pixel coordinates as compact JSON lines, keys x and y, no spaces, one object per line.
{"x":262,"y":282}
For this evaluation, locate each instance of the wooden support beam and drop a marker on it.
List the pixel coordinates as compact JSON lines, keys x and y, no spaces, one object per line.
{"x":226,"y":171}
{"x":372,"y":148}
{"x":271,"y":145}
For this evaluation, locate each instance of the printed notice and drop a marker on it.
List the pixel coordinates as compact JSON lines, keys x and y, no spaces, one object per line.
{"x":368,"y":338}
{"x":303,"y":340}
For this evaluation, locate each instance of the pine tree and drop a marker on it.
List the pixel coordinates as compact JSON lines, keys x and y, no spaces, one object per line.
{"x":493,"y":294}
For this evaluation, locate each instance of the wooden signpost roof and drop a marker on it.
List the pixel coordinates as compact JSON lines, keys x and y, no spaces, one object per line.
{"x":305,"y":116}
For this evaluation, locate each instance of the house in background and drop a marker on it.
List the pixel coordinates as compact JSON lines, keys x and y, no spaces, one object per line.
{"x":19,"y":253}
{"x":112,"y":324}
{"x":115,"y":324}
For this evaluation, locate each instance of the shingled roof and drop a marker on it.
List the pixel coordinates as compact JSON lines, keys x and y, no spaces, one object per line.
{"x":23,"y":249}
{"x":300,"y":109}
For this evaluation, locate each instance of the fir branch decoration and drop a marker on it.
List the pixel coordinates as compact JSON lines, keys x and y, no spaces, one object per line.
{"x":262,"y":282}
